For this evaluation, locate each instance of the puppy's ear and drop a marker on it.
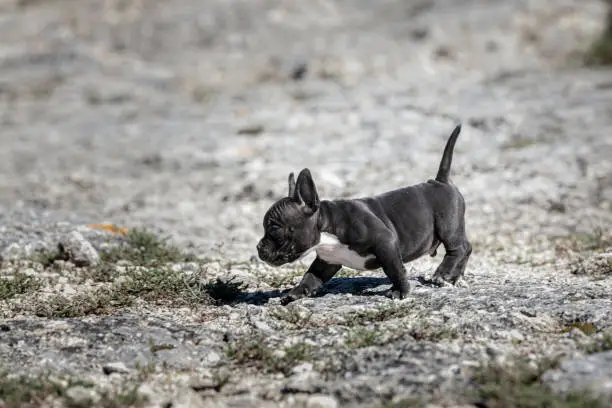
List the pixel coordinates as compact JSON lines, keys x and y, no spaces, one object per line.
{"x":306,"y":192}
{"x":291,"y":185}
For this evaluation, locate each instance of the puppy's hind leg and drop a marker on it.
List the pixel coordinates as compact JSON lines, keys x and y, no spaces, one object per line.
{"x":462,"y":264}
{"x":388,"y":255}
{"x":458,"y":250}
{"x":446,"y":271}
{"x":466,"y":248}
{"x":450,"y":229}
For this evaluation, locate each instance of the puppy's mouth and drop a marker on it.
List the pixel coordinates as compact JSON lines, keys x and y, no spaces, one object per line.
{"x":283,"y":259}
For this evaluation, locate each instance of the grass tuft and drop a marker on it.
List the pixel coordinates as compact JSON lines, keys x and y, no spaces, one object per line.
{"x":599,"y":345}
{"x":104,"y":301}
{"x":292,"y":316}
{"x":429,"y":332}
{"x":408,"y":402}
{"x":600,"y":53}
{"x":102,"y":273}
{"x":596,"y":240}
{"x":143,"y":248}
{"x":18,"y":284}
{"x":255,"y":353}
{"x":363,"y":337}
{"x":158,"y":285}
{"x":46,"y":257}
{"x":381,"y":313}
{"x":26,"y":392}
{"x":149,"y":276}
{"x":594,"y":266}
{"x":520,"y":386}
{"x":585,"y":327}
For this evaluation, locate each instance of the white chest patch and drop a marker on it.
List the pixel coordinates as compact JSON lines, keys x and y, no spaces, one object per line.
{"x":331,"y":250}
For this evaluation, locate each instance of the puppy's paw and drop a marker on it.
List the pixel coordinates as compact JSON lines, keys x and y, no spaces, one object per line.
{"x":462,"y":283}
{"x":446,"y":283}
{"x":396,"y":294}
{"x":441,"y":283}
{"x":288,"y":298}
{"x":294,"y":294}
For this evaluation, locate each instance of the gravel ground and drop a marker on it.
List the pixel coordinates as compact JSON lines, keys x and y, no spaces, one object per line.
{"x":186,"y":117}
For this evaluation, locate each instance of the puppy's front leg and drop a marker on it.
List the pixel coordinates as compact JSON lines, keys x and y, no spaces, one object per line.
{"x":319,"y":273}
{"x":388,"y":255}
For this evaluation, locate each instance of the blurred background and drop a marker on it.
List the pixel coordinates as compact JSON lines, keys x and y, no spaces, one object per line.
{"x":187,"y":115}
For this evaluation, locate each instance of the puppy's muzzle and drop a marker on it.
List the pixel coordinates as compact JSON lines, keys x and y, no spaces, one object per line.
{"x":264,"y":252}
{"x":268,"y":254}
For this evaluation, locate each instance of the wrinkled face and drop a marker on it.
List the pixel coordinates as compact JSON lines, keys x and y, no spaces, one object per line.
{"x":290,"y":225}
{"x":288,"y":233}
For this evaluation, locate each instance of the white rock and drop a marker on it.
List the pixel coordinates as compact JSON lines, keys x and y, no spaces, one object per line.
{"x":188,"y":398}
{"x":211,"y":358}
{"x":302,"y":368}
{"x":78,"y":250}
{"x":82,"y":396}
{"x":117,"y":367}
{"x":321,"y":401}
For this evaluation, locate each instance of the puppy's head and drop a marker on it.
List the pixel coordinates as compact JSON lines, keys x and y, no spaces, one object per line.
{"x":290,"y":225}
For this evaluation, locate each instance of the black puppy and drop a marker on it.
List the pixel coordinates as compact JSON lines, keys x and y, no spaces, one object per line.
{"x":383,"y":231}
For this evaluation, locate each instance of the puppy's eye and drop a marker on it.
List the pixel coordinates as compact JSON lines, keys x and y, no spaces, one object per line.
{"x":273,"y":228}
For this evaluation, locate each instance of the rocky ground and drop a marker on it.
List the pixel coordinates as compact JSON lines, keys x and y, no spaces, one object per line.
{"x":182,"y":119}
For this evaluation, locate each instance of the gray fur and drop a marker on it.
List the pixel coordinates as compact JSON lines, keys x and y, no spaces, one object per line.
{"x":389,"y":229}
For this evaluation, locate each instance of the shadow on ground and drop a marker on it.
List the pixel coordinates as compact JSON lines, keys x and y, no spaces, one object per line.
{"x":358,"y":286}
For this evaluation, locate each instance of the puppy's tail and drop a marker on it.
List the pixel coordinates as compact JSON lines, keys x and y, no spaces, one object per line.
{"x":447,"y":157}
